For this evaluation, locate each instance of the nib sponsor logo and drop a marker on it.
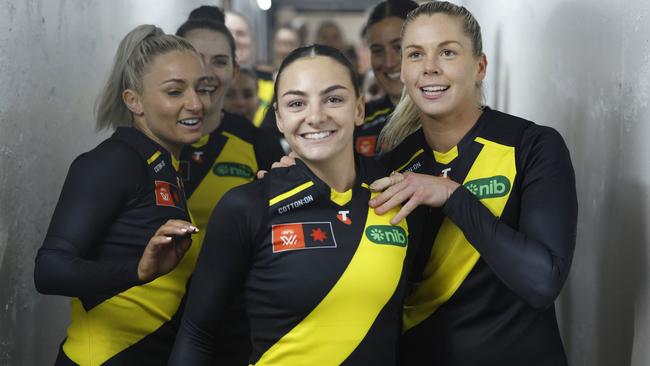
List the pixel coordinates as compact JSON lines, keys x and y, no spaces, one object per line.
{"x":497,"y":186}
{"x":387,"y":234}
{"x":303,"y":235}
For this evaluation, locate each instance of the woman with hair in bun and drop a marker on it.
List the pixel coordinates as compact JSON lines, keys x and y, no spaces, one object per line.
{"x":119,"y":242}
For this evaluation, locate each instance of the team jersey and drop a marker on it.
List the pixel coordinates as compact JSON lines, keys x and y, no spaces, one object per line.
{"x":226,"y":158}
{"x":114,"y":199}
{"x":264,"y":94}
{"x":502,"y":247}
{"x":323,"y":275}
{"x":366,"y":135}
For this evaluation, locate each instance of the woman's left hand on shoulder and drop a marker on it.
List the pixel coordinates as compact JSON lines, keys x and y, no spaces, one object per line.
{"x":411,"y":189}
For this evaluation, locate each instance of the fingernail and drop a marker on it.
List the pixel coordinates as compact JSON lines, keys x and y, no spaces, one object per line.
{"x":168,"y":238}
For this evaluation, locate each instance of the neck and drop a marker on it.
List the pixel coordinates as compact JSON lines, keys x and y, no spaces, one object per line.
{"x":445,"y":132}
{"x":338,"y":175}
{"x":174,"y":150}
{"x":213,"y":120}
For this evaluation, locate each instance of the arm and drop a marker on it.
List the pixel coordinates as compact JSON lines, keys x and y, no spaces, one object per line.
{"x":220,"y":272}
{"x":97,"y":187}
{"x":534,"y":260}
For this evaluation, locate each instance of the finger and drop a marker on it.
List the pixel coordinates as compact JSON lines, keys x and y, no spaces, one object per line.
{"x":395,"y":200}
{"x":406,"y":209}
{"x":287,"y":161}
{"x":183,"y":224}
{"x":157,"y":242}
{"x":383,"y":183}
{"x":387,"y":194}
{"x":182,"y":245}
{"x":261,"y":174}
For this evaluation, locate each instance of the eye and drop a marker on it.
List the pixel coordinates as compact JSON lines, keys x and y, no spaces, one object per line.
{"x":295,"y":104}
{"x":447,"y":53}
{"x":334,"y":99}
{"x":376,"y":50}
{"x":413,"y":55}
{"x":174,"y":93}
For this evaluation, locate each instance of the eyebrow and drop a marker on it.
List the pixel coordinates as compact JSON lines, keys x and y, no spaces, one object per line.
{"x":439,"y":45}
{"x":179,"y":81}
{"x":327,"y":90}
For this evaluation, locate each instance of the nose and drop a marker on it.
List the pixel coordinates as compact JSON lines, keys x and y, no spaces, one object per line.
{"x":193,"y":103}
{"x":392,"y":59}
{"x":316,"y":115}
{"x":431,"y":66}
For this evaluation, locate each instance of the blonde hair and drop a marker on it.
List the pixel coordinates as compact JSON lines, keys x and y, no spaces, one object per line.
{"x":405,"y":119}
{"x":135,"y":52}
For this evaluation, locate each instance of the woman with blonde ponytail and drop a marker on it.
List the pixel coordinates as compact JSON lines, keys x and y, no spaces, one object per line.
{"x":502,"y":198}
{"x":119,"y":242}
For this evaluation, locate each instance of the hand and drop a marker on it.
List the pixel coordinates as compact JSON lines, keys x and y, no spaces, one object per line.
{"x":285,"y":161}
{"x":165,"y":249}
{"x":416,"y":189}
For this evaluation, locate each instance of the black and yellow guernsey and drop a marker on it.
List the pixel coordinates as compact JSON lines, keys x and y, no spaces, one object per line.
{"x":502,"y":247}
{"x":226,"y":158}
{"x":114,"y":199}
{"x":367,"y":134}
{"x":323,"y":275}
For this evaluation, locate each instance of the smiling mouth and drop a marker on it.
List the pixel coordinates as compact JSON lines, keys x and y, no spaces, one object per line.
{"x":392,"y":75}
{"x":434,"y":90}
{"x":190,"y":122}
{"x":314,"y":136}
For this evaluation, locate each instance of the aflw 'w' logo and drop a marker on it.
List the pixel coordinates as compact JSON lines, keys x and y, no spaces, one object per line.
{"x":288,"y":237}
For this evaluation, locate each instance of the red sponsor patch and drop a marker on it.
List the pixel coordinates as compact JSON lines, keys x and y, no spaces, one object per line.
{"x":302,"y":235}
{"x":168,"y":194}
{"x":366,"y":145}
{"x":288,"y":237}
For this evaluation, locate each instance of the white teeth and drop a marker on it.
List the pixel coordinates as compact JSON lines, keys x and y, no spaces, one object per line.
{"x":316,"y":135}
{"x":189,"y":121}
{"x":434,"y":89}
{"x":393,"y":75}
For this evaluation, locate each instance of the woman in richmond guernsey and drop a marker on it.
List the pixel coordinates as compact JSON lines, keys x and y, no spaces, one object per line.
{"x":503,"y":238}
{"x":119,"y":239}
{"x":384,"y":37}
{"x":228,"y":155}
{"x":323,"y":275}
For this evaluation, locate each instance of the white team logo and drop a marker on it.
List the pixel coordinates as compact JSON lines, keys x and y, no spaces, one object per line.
{"x":445,"y":172}
{"x":288,"y":237}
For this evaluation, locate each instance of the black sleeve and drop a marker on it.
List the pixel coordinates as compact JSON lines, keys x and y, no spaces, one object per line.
{"x":534,"y":260}
{"x":97,"y":187}
{"x":220,"y":272}
{"x":267,"y":149}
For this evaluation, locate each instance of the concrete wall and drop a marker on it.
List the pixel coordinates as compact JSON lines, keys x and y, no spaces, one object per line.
{"x":580,"y":66}
{"x":583,"y":67}
{"x":54,"y":56}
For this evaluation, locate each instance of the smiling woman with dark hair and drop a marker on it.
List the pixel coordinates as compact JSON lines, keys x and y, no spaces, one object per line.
{"x":323,"y":276}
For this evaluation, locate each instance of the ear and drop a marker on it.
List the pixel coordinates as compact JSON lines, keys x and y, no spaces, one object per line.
{"x":132,"y":100}
{"x":278,"y":120}
{"x":360,"y":111}
{"x":482,"y":67}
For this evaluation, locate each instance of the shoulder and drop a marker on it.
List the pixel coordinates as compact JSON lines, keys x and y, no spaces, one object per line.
{"x":403,"y":153}
{"x":371,"y":169}
{"x":246,"y":198}
{"x":110,"y":155}
{"x":239,"y":126}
